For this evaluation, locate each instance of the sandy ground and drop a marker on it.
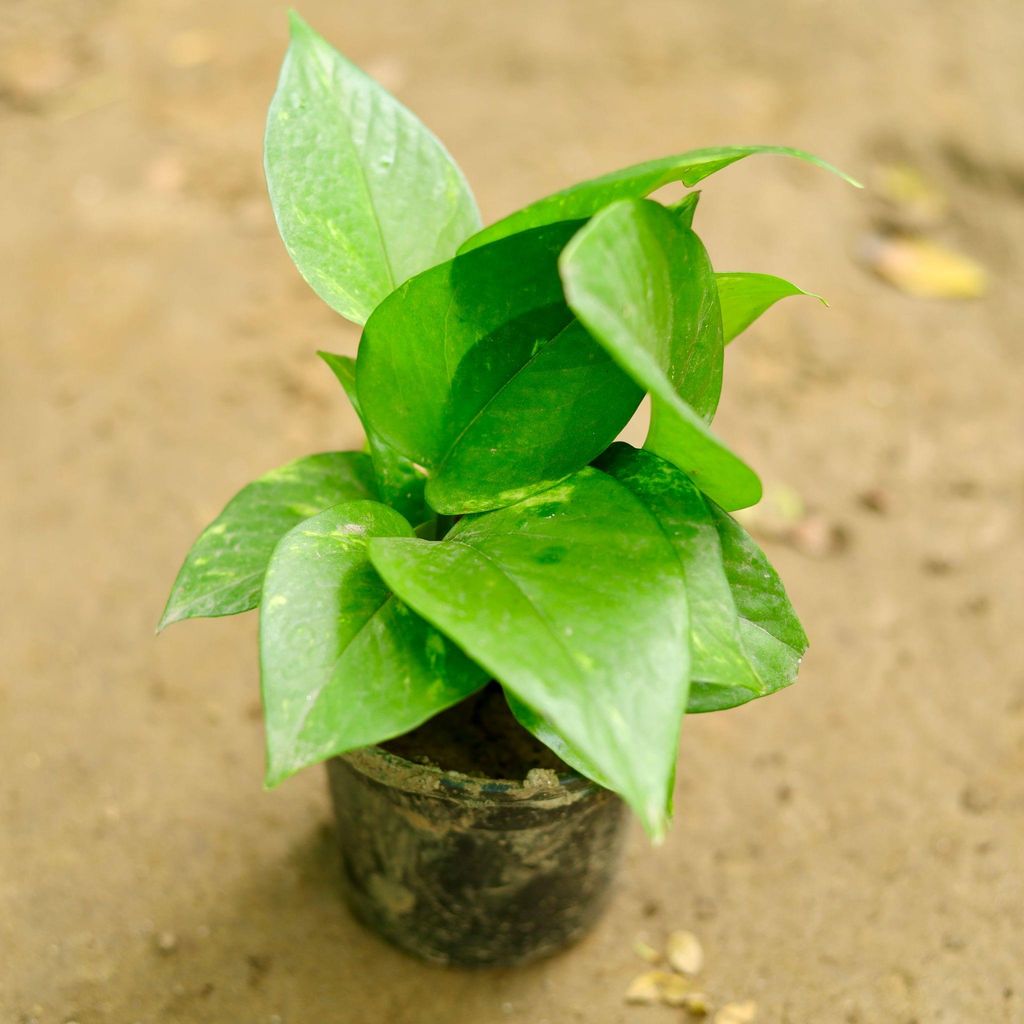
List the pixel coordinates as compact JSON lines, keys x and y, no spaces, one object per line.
{"x":849,"y":851}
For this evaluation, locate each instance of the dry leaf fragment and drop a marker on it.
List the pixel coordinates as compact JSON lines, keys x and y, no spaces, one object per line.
{"x":684,"y":952}
{"x":645,"y":989}
{"x":646,"y":951}
{"x":697,"y":1004}
{"x":924,"y":268}
{"x":917,"y":201}
{"x":737,"y":1013}
{"x":675,"y":989}
{"x":654,"y":987}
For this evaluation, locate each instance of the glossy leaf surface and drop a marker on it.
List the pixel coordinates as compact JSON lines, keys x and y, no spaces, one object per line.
{"x":586,"y":198}
{"x":745,"y":638}
{"x":344,"y":664}
{"x":772,"y":635}
{"x":223,"y":573}
{"x":642,"y":285}
{"x":365,"y":196}
{"x":744,"y":297}
{"x":573,"y":601}
{"x":478,"y":371}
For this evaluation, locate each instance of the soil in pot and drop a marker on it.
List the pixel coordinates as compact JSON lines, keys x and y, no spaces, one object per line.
{"x":479,"y":737}
{"x":468,"y":842}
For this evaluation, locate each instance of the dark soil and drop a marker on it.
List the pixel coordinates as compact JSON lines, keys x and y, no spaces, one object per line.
{"x":478,"y":737}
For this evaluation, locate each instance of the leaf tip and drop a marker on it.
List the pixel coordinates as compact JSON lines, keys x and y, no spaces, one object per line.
{"x":274,"y":775}
{"x":655,"y":824}
{"x":297,"y":25}
{"x":170,"y":615}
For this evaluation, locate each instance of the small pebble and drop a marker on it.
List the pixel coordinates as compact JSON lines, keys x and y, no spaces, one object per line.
{"x":684,"y":952}
{"x":875,"y":500}
{"x":976,"y":799}
{"x":166,"y":942}
{"x":818,"y":537}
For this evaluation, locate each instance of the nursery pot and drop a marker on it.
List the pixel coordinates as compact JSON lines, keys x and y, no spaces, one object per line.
{"x":473,"y":871}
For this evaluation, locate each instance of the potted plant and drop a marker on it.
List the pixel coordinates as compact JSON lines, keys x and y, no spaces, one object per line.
{"x":491,"y":621}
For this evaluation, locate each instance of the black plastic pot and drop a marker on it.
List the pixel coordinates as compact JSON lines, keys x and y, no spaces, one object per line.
{"x":469,"y":871}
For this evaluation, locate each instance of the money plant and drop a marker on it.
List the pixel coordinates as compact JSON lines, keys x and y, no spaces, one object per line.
{"x":492,"y":528}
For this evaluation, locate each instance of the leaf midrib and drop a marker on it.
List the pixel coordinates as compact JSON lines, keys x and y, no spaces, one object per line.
{"x":312,"y":705}
{"x":518,"y":586}
{"x":450,"y":448}
{"x":326,"y":82}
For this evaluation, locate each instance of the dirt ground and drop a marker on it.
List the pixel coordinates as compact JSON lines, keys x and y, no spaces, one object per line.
{"x":851,"y":850}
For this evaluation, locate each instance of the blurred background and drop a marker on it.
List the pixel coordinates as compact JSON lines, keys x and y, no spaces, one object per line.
{"x":847,"y":851}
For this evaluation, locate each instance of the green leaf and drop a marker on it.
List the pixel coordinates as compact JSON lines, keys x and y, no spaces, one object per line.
{"x":344,"y":368}
{"x":542,"y":729}
{"x":223,"y":573}
{"x":744,"y":297}
{"x":772,"y":636}
{"x":400,"y":482}
{"x":641,"y":283}
{"x":573,"y":601}
{"x":745,"y":639}
{"x":365,"y":196}
{"x":344,"y":664}
{"x":481,"y":350}
{"x":586,"y":198}
{"x":686,"y":208}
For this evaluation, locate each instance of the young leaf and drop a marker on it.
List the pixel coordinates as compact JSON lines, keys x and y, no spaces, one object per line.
{"x":744,"y":297}
{"x":365,"y":196}
{"x":400,"y":482}
{"x":344,"y":664}
{"x":641,"y":283}
{"x":530,"y":592}
{"x":223,"y":573}
{"x":745,"y":639}
{"x":344,"y":369}
{"x":481,"y":350}
{"x":586,"y":198}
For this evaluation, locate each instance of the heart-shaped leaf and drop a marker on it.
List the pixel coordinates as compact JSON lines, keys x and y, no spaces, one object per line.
{"x":365,"y":196}
{"x":344,"y":664}
{"x":223,"y":573}
{"x":482,"y":349}
{"x":744,"y":297}
{"x":745,"y":639}
{"x":587,"y":197}
{"x":641,"y":283}
{"x":529,"y":591}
